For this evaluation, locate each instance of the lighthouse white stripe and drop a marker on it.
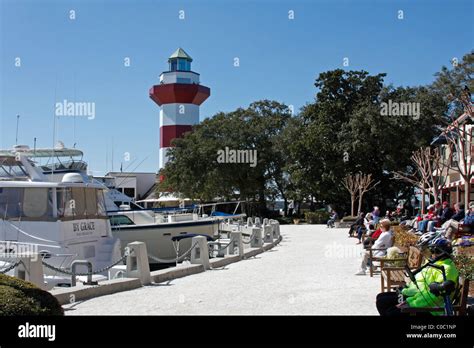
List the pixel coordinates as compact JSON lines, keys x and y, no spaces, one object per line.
{"x":176,"y":113}
{"x":163,"y":156}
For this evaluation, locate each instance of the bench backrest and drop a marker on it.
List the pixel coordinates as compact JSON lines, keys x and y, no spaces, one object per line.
{"x":414,"y":257}
{"x":462,"y":304}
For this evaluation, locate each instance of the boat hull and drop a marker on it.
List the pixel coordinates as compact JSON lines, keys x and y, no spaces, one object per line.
{"x":157,"y":237}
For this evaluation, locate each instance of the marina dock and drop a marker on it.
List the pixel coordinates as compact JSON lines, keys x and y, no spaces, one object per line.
{"x":305,"y":274}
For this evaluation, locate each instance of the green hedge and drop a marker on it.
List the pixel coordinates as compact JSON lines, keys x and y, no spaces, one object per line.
{"x":349,"y":218}
{"x":316,"y":217}
{"x":18,"y":297}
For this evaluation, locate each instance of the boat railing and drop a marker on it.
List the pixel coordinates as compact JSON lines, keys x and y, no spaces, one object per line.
{"x":65,"y":166}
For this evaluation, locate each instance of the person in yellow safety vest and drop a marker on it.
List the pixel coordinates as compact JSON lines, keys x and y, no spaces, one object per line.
{"x":419,"y":294}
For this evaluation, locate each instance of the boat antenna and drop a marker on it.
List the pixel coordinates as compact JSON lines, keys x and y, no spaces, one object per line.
{"x":106,"y":156}
{"x":34,"y":146}
{"x":17,"y":123}
{"x":112,"y":154}
{"x":54,"y":119}
{"x":74,"y":116}
{"x":131,"y":173}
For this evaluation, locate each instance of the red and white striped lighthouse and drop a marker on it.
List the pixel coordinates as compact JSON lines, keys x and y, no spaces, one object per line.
{"x":179,"y":96}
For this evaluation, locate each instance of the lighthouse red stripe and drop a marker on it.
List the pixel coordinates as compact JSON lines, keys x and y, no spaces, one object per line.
{"x":168,"y":133}
{"x":179,"y":93}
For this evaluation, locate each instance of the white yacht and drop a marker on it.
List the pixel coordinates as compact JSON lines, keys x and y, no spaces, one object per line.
{"x":158,"y":228}
{"x":63,"y":221}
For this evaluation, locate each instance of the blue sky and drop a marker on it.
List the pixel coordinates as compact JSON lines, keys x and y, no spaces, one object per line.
{"x":83,"y":59}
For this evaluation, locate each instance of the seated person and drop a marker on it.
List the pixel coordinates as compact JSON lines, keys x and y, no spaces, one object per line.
{"x":376,"y":215}
{"x":358,"y":223}
{"x":368,"y":233}
{"x":413,"y":222}
{"x":418,"y":294}
{"x":383,"y":242}
{"x":429,"y":216}
{"x":332,"y":219}
{"x":444,"y":215}
{"x":368,"y":219}
{"x":469,"y":218}
{"x":452,"y":224}
{"x":371,"y":236}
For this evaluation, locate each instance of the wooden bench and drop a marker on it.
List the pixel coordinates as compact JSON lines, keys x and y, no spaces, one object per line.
{"x":459,"y":302}
{"x":394,"y":276}
{"x":372,"y":259}
{"x":463,"y":230}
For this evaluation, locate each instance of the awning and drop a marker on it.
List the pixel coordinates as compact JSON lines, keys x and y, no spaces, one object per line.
{"x":454,"y":184}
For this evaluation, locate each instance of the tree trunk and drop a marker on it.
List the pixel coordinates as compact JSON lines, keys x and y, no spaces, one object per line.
{"x":360,"y":202}
{"x":285,"y":207}
{"x":422,"y":202}
{"x":352,"y":204}
{"x":467,"y":194}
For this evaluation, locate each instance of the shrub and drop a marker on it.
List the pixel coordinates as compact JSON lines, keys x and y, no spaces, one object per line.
{"x":465,"y":265}
{"x":19,"y":297}
{"x":403,"y":238}
{"x":284,"y":220}
{"x":349,"y":218}
{"x":316,"y":217}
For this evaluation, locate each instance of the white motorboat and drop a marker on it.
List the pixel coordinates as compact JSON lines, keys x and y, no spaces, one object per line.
{"x":63,"y":221}
{"x":157,"y":230}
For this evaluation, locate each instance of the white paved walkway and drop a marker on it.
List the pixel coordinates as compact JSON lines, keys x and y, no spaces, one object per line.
{"x":310,"y":272}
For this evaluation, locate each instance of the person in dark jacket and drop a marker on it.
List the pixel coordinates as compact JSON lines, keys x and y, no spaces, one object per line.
{"x":469,"y":218}
{"x":460,"y":213}
{"x":444,"y":214}
{"x":332,"y":219}
{"x":452,"y":224}
{"x":359,"y":222}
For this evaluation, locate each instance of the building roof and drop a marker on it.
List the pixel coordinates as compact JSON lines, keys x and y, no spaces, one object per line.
{"x":180,"y":53}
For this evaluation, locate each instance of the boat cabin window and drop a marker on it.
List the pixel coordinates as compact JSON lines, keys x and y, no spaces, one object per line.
{"x":11,"y":168}
{"x":116,"y":220}
{"x":29,"y":204}
{"x":80,"y":203}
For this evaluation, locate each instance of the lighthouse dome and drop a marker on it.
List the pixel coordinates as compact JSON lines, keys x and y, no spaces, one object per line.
{"x":180,"y":61}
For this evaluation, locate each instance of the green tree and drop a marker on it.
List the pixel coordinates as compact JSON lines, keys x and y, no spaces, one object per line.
{"x":193,"y":169}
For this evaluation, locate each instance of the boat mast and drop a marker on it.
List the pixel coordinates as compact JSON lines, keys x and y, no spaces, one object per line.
{"x":17,"y":124}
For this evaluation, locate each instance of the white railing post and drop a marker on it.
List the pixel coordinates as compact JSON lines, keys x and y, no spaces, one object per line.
{"x":31,"y":269}
{"x":276,"y":228}
{"x":137,"y":262}
{"x":236,"y":238}
{"x":256,"y":238}
{"x":268,"y":233}
{"x":200,"y":253}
